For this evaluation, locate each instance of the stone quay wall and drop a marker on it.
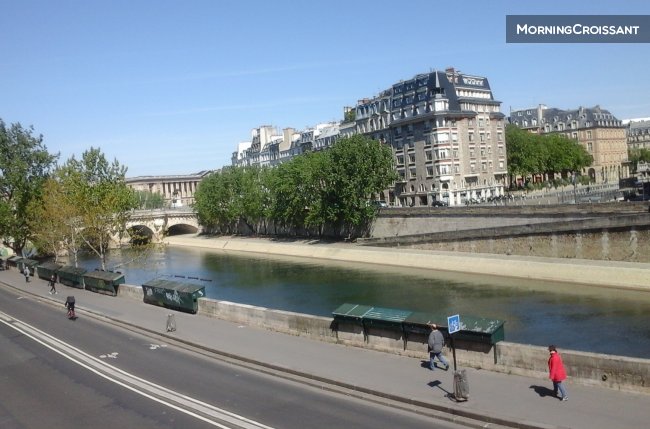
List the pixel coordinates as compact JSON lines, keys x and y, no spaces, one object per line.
{"x":608,"y":231}
{"x":616,"y":372}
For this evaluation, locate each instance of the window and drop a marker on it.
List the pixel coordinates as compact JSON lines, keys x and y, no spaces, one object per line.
{"x":471,"y":137}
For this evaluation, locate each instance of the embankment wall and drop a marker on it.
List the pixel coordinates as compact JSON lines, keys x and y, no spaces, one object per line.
{"x":616,"y":372}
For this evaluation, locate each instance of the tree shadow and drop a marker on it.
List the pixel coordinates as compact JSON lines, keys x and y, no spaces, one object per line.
{"x":543,"y":391}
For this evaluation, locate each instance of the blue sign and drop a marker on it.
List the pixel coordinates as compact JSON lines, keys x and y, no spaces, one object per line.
{"x":453,"y":323}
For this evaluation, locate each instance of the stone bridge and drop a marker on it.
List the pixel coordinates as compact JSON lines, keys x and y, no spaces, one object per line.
{"x":154,"y":225}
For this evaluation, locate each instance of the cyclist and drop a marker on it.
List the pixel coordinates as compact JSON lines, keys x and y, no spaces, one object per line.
{"x":69,"y":303}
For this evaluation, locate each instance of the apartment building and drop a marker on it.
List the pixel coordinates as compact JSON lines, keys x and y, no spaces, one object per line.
{"x":447,"y":134}
{"x":600,"y":132}
{"x":638,"y":133}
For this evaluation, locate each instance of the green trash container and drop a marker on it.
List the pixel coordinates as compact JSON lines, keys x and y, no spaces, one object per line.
{"x":173,"y":294}
{"x":14,"y":260}
{"x":26,"y":262}
{"x":105,"y":282}
{"x":46,"y":269}
{"x":72,"y":276}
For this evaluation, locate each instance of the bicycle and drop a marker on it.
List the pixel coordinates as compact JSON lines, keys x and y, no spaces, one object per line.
{"x":69,"y":304}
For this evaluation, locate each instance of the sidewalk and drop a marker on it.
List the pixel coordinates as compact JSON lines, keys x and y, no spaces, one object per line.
{"x":506,"y":399}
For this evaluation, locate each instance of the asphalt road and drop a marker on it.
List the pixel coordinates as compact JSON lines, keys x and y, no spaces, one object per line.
{"x":58,"y":373}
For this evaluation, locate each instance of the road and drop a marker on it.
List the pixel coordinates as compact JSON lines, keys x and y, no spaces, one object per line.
{"x":58,"y":373}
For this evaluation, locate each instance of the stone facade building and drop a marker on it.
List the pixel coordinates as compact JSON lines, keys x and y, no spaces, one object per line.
{"x":638,"y":134}
{"x":447,"y":133}
{"x":600,"y":132}
{"x":445,"y":129}
{"x":177,"y":191}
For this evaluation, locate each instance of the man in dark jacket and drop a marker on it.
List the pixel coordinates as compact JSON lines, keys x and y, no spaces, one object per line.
{"x":436,"y":343}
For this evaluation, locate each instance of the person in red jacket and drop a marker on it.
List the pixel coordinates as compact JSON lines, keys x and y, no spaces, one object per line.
{"x":557,"y":374}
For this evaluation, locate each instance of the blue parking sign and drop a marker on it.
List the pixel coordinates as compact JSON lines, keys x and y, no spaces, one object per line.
{"x":453,"y":323}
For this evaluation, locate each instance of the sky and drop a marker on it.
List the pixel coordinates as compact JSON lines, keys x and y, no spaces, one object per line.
{"x":171,"y":87}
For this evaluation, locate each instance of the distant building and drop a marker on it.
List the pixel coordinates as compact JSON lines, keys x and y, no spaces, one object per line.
{"x":447,"y":134}
{"x":600,"y":132}
{"x":177,"y":191}
{"x":445,"y":129}
{"x":638,"y":133}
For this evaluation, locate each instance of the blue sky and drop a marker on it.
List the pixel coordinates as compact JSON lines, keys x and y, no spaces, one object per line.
{"x":171,"y":87}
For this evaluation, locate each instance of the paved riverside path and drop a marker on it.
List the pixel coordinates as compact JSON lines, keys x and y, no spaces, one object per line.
{"x":511,"y":399}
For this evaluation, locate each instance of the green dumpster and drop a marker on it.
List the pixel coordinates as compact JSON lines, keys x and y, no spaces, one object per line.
{"x":32,"y":264}
{"x":351,"y":313}
{"x":385,"y":317}
{"x":173,"y":294}
{"x":478,"y":330}
{"x":13,"y":261}
{"x":46,"y":269}
{"x":105,"y":282}
{"x":72,"y":276}
{"x":418,"y":322}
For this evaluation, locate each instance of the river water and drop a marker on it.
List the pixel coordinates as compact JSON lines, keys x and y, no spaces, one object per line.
{"x":573,"y":317}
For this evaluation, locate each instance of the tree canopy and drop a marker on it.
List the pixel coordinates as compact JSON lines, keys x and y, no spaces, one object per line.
{"x":310,"y":192}
{"x":101,"y":198}
{"x":530,"y":153}
{"x":25,"y":164}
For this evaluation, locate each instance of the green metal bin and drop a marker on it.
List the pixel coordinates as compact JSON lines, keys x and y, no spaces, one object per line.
{"x":385,"y":317}
{"x":418,"y":322}
{"x":479,"y":330}
{"x":32,"y":264}
{"x":72,"y":276}
{"x":173,"y":294}
{"x":105,"y":282}
{"x":46,"y":269}
{"x":13,"y":261}
{"x":351,"y":312}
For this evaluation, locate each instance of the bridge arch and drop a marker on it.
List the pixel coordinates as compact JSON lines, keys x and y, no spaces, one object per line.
{"x":181,"y":228}
{"x":140,"y":234}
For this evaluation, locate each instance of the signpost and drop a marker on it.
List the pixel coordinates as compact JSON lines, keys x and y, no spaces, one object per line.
{"x":453,"y":325}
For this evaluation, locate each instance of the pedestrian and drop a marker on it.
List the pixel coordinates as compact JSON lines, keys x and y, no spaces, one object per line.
{"x":557,"y":374}
{"x":53,"y":285}
{"x":26,"y":272}
{"x":436,"y":342}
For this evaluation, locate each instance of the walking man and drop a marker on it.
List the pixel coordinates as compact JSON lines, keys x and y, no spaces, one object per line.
{"x":26,"y":272}
{"x":53,"y":284}
{"x":436,"y":342}
{"x":557,"y":374}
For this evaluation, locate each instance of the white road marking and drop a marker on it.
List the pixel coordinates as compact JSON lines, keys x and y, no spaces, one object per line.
{"x":160,"y":394}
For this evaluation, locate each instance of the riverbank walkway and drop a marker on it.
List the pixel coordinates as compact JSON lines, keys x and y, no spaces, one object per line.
{"x":496,"y":400}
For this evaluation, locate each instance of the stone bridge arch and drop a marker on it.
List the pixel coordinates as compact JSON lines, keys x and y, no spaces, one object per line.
{"x":154,"y":225}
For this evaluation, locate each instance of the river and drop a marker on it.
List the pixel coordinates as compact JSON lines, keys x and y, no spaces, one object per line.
{"x":573,"y":317}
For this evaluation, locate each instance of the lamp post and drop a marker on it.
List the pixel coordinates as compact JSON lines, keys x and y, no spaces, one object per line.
{"x":575,"y":198}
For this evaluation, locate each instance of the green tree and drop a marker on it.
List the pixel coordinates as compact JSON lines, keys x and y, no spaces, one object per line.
{"x":149,"y":200}
{"x":297,"y":190}
{"x":360,"y":167}
{"x":25,"y":164}
{"x":638,"y":155}
{"x":101,"y":195}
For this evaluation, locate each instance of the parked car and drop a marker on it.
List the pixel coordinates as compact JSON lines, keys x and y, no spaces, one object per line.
{"x":439,"y":203}
{"x":379,"y":204}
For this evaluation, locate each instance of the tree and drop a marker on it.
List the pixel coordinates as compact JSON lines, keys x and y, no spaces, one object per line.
{"x":25,"y":164}
{"x":149,"y":200}
{"x":102,"y":198}
{"x":638,"y":155}
{"x":360,"y":167}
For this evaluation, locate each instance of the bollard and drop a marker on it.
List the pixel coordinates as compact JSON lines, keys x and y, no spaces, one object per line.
{"x":171,"y":323}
